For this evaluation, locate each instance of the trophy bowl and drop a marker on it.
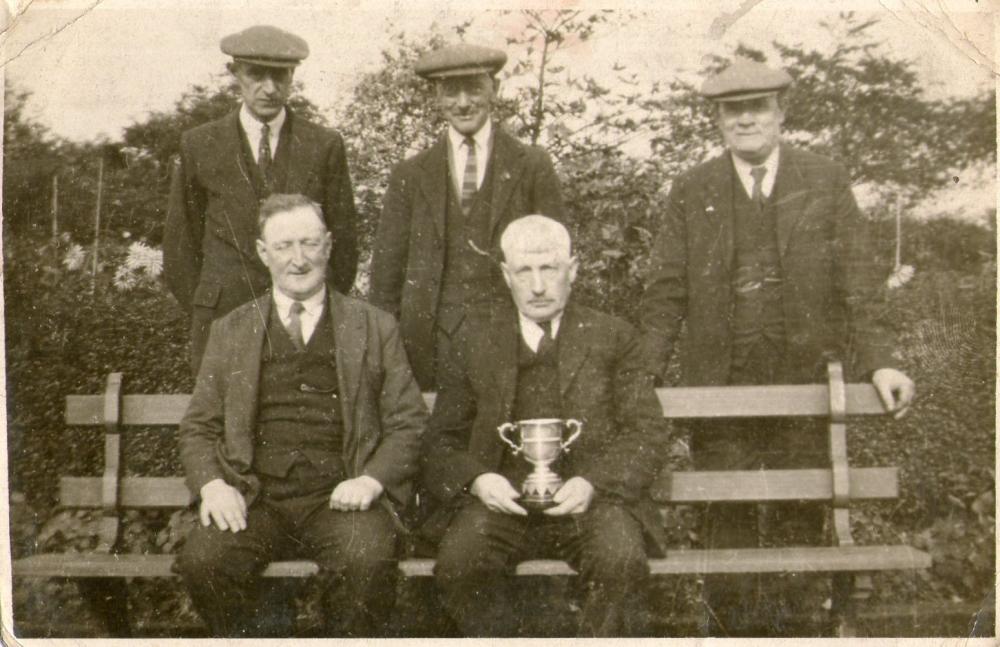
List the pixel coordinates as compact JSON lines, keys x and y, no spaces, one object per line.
{"x":542,"y":441}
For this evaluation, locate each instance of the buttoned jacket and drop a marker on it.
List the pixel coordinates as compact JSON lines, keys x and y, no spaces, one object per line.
{"x":209,"y":254}
{"x":602,"y":383}
{"x":382,"y":408}
{"x":832,"y":284}
{"x":409,"y":252}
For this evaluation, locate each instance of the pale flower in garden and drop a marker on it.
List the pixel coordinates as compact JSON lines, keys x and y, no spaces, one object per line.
{"x":143,"y":257}
{"x":74,"y":258}
{"x":125,"y":279}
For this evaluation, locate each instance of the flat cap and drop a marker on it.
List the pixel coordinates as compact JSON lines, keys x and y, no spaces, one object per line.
{"x":460,"y":60}
{"x":745,"y":79}
{"x":265,"y":45}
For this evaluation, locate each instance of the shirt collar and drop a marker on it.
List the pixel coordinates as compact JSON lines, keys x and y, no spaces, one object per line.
{"x":744,"y":167}
{"x":482,"y":137}
{"x":253,"y":125}
{"x":313,"y":305}
{"x":532,"y":332}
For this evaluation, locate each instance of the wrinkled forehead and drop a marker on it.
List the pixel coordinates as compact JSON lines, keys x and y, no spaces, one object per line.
{"x":300,"y":222}
{"x":535,"y":252}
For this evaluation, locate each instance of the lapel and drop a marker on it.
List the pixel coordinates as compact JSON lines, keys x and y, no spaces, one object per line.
{"x":718,"y":205}
{"x":507,"y":169}
{"x":572,"y":348}
{"x":244,"y":378}
{"x":350,"y":336}
{"x":434,"y":181}
{"x":294,"y":161}
{"x":504,"y":364}
{"x":790,"y":196}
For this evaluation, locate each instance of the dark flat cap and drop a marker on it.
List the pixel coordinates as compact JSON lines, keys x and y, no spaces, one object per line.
{"x":745,"y":79}
{"x":265,"y":45}
{"x":460,"y":60}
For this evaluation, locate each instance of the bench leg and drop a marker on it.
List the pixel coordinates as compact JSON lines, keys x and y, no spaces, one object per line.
{"x":108,"y":599}
{"x":850,"y":590}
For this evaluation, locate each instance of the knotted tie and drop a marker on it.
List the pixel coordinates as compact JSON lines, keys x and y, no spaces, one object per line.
{"x":295,"y":325}
{"x":469,"y":177}
{"x":546,"y":343}
{"x":264,"y":154}
{"x":757,"y":195}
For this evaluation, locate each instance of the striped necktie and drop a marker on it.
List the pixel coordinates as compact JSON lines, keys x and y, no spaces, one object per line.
{"x":294,"y":327}
{"x":470,"y":178}
{"x":264,"y":154}
{"x":757,"y":195}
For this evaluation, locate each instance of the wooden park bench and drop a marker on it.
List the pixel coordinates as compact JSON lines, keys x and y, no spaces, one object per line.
{"x":103,"y":574}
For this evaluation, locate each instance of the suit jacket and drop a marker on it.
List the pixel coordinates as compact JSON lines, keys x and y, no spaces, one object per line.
{"x":828,"y":268}
{"x":209,"y":256}
{"x":409,"y":253}
{"x":383,"y":411}
{"x":602,"y":383}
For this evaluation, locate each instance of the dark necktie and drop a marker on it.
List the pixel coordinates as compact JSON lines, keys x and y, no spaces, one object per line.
{"x":470,"y":178}
{"x":295,"y":324}
{"x":757,"y":195}
{"x":546,"y":343}
{"x":264,"y":154}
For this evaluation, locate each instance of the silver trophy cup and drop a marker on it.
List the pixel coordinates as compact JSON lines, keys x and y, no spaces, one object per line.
{"x":541,"y":442}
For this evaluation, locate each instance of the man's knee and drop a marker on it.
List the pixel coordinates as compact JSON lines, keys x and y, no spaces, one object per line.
{"x":615,"y":547}
{"x":209,"y":552}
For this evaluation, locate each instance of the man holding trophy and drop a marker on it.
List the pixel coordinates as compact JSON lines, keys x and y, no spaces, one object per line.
{"x":542,"y":442}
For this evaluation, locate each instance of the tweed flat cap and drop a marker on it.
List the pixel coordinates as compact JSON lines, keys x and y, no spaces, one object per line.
{"x":460,"y":60}
{"x":265,"y":45}
{"x":745,"y":79}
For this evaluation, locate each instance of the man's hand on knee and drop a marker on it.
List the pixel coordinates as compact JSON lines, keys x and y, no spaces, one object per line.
{"x":223,"y":504}
{"x":573,"y":497}
{"x":497,"y":493}
{"x":355,"y":494}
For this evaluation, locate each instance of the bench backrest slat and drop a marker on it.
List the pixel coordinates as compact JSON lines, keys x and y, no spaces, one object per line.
{"x":678,"y":487}
{"x":677,"y":402}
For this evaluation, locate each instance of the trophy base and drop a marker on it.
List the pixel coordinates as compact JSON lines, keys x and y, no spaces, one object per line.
{"x":536,"y":494}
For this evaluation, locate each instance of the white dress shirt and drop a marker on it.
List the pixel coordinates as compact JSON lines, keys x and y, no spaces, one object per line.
{"x":309,"y":317}
{"x":252,"y":127}
{"x":460,"y":153}
{"x":532,"y":333}
{"x":743,"y":169}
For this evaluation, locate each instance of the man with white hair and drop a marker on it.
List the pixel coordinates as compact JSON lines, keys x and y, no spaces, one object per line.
{"x":546,"y":358}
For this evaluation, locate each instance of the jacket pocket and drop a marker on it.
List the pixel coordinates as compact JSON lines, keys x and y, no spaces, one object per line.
{"x":207,"y":295}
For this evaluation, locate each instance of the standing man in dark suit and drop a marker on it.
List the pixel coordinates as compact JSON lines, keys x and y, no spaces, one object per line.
{"x":302,"y":436}
{"x":544,"y":358}
{"x":228,"y":166}
{"x":435,"y":251}
{"x":765,"y":255}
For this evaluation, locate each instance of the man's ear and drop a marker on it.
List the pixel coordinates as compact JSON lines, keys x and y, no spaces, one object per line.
{"x":506,"y":272}
{"x":262,"y":250}
{"x":574,"y":265}
{"x":496,"y":86}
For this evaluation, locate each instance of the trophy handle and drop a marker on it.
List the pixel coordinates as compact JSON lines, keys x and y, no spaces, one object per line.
{"x":572,"y":423}
{"x":502,"y":430}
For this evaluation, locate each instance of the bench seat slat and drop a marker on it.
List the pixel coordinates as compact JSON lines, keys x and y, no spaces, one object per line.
{"x":677,"y":403}
{"x":678,"y":487}
{"x":677,"y":562}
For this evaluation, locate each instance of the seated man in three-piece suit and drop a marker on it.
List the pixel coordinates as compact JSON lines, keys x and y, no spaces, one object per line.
{"x":301,"y":437}
{"x":544,"y":358}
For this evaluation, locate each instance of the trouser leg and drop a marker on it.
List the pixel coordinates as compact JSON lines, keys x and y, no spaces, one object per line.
{"x":356,"y":552}
{"x":220,"y":569}
{"x":473,"y":570}
{"x":730,"y":599}
{"x":607,"y":547}
{"x":791,"y":603}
